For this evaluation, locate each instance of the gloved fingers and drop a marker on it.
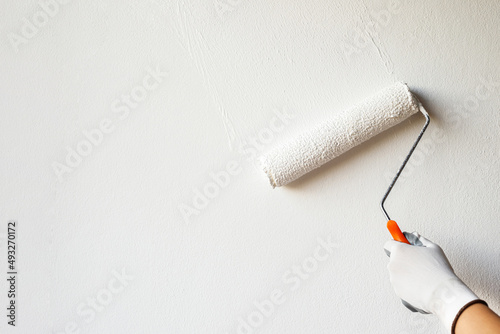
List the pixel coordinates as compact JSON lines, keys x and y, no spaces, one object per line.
{"x":413,"y":238}
{"x":389,"y":246}
{"x":418,"y":240}
{"x":427,"y":243}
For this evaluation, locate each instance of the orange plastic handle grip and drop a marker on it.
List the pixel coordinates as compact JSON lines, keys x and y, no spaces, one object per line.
{"x":396,"y":233}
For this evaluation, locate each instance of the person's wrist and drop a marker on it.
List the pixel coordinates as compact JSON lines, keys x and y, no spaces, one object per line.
{"x":468,"y":311}
{"x":449,"y":299}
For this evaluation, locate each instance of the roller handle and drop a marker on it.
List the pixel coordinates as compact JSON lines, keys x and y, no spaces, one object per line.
{"x":396,"y":233}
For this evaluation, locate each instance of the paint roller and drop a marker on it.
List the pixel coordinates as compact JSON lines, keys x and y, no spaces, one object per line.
{"x":324,"y":142}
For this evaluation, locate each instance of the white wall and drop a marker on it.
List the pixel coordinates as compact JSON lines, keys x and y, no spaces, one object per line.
{"x":224,"y":70}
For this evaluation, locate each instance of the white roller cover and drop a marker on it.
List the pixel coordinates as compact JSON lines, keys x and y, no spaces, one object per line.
{"x":330,"y":139}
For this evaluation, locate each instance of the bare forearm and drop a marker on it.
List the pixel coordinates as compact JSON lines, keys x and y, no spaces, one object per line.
{"x":478,"y":319}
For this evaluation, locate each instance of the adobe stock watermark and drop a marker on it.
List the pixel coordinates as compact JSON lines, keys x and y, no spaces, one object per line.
{"x":219,"y":180}
{"x":455,"y":118}
{"x":419,"y":324}
{"x":121,"y":107}
{"x":378,"y":19}
{"x":291,"y":281}
{"x":89,"y":309}
{"x":222,"y":7}
{"x":251,"y":147}
{"x":31,"y":26}
{"x":444,"y":295}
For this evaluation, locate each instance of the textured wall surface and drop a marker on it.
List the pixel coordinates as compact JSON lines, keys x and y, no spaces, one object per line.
{"x":129,"y":137}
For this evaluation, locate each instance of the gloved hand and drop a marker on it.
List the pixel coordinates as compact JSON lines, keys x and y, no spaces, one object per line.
{"x":423,"y":278}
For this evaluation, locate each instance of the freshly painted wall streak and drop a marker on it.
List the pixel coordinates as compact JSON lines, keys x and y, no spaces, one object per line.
{"x":167,"y":224}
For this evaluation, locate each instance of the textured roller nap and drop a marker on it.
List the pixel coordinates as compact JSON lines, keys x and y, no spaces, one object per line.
{"x":328,"y":140}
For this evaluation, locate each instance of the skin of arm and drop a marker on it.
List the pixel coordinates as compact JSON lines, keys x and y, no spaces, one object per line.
{"x":478,"y":319}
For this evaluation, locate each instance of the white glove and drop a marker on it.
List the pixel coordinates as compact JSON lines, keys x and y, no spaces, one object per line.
{"x":422,"y":276}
